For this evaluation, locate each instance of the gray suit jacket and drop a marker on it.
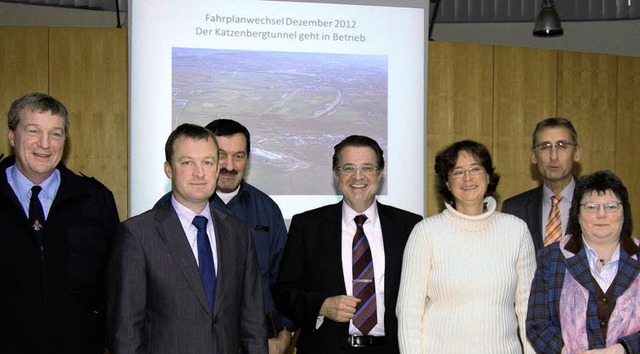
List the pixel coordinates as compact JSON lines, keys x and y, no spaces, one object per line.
{"x":156,"y":301}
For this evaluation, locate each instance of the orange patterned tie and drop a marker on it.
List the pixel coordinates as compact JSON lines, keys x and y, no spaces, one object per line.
{"x":553,"y":233}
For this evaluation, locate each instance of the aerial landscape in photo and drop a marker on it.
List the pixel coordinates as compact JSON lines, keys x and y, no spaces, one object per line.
{"x":297,"y":106}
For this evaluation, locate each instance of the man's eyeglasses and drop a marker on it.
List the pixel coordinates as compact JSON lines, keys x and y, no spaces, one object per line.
{"x":459,"y":173}
{"x":351,"y":169}
{"x":609,"y":207}
{"x":560,"y":146}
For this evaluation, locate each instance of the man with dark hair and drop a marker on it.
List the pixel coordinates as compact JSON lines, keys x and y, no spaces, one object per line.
{"x":545,"y":209}
{"x":340,"y":272}
{"x":57,"y":232}
{"x":184,"y":277}
{"x":235,"y":196}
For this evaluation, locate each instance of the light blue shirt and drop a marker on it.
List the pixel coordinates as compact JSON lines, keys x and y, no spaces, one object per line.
{"x":21,"y":186}
{"x":186,"y":215}
{"x":609,"y":267}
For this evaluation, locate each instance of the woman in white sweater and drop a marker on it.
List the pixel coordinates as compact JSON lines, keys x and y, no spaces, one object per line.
{"x":466,"y":272}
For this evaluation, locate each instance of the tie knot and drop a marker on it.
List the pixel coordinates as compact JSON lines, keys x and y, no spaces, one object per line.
{"x":556,"y":199}
{"x":360,"y":219}
{"x":35,"y":190}
{"x":200,"y":222}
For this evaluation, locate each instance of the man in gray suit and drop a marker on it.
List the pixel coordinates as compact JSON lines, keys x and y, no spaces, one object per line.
{"x":184,"y":277}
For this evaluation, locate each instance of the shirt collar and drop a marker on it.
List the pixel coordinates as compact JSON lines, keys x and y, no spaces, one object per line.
{"x":23,"y":185}
{"x":593,"y":256}
{"x":348,"y":213}
{"x":186,"y":215}
{"x":566,"y":193}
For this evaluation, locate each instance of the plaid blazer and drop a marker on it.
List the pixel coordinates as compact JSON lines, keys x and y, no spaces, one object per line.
{"x":543,"y":315}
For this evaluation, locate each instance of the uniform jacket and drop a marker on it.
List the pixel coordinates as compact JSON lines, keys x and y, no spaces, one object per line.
{"x":55,"y":303}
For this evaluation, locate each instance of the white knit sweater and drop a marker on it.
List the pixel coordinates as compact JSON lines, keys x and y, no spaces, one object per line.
{"x":465,"y":284}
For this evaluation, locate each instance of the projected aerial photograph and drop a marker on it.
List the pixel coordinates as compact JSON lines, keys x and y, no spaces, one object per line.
{"x":297,"y":106}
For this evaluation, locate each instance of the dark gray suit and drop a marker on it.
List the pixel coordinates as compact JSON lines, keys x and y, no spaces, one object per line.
{"x":528,"y":207}
{"x":156,"y":301}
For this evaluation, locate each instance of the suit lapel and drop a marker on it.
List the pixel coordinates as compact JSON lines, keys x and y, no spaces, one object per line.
{"x":628,"y":270}
{"x":223,"y":236}
{"x":171,"y":232}
{"x":332,"y":232}
{"x":534,"y":217}
{"x":578,"y":267}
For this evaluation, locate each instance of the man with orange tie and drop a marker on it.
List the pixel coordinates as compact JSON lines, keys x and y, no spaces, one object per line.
{"x":545,"y":209}
{"x":341,"y":266}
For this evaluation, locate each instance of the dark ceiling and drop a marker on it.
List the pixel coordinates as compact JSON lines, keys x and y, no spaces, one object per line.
{"x":449,"y":11}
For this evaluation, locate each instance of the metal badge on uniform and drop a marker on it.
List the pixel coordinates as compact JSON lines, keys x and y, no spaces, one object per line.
{"x":262,"y":228}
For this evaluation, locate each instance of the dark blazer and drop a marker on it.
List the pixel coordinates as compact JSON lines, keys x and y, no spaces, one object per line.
{"x":528,"y":207}
{"x":156,"y":301}
{"x":55,"y":304}
{"x":311,"y":271}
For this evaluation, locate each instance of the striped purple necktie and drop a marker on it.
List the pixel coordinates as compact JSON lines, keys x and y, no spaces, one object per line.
{"x":364,"y":286}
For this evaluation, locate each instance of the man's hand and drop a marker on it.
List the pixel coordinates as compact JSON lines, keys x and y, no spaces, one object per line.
{"x":281,"y":343}
{"x":339,"y":308}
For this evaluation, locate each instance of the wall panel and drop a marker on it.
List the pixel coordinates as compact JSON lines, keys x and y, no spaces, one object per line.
{"x":587,"y":90}
{"x":627,"y":160}
{"x":459,"y":102}
{"x":525,"y":93}
{"x":88,"y":72}
{"x":24,"y":64}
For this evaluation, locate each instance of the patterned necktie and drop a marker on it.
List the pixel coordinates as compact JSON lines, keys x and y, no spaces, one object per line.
{"x":205,"y":260}
{"x":553,"y":232}
{"x":36,"y":216}
{"x":364,"y":286}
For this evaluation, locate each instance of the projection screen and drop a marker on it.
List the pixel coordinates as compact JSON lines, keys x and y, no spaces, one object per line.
{"x":301,"y":76}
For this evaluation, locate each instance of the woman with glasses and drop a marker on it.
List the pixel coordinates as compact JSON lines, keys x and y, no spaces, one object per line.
{"x":466,"y":272}
{"x":586,"y":291}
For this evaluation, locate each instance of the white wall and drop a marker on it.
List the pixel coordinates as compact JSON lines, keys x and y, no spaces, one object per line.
{"x":611,"y":37}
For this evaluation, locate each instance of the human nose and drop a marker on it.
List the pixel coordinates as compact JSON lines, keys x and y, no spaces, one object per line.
{"x":554,"y":152}
{"x":226,"y":162}
{"x":198,"y":170}
{"x":44,"y":140}
{"x":466,"y":175}
{"x":358,"y":173}
{"x":601,"y":212}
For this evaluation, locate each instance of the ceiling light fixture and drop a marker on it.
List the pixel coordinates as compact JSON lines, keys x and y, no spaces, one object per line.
{"x":548,"y":21}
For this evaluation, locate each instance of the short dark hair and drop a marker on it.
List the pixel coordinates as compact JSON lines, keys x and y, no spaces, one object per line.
{"x":190,"y":131}
{"x":446,"y":160}
{"x":40,"y":103}
{"x":551,"y":123}
{"x":599,"y":182}
{"x":228,"y":127}
{"x":358,"y":141}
